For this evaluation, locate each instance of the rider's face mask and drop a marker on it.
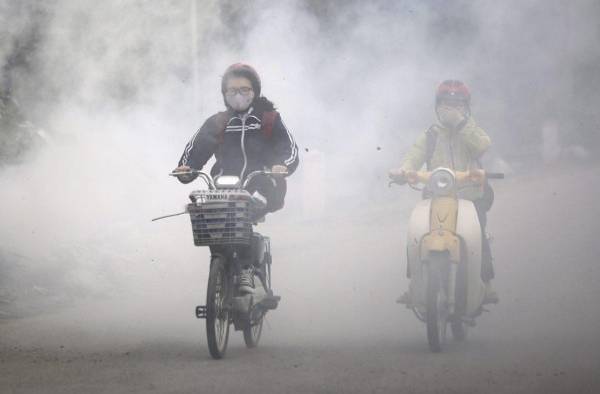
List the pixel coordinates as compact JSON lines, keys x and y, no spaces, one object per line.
{"x":239,"y":94}
{"x":451,"y":116}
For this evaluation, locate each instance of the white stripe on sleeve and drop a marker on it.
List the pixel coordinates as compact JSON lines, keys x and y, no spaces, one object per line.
{"x":293,"y":146}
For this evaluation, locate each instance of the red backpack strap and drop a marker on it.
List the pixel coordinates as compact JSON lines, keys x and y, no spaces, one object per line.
{"x":220,"y":125}
{"x":268,"y":121}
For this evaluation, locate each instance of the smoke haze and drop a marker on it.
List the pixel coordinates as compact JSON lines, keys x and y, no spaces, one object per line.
{"x":119,"y":88}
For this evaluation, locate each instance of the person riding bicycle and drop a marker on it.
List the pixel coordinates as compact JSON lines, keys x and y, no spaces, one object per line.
{"x":248,"y":136}
{"x":456,"y":142}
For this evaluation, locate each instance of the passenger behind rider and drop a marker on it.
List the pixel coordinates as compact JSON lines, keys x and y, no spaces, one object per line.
{"x":248,"y":136}
{"x":455,"y":142}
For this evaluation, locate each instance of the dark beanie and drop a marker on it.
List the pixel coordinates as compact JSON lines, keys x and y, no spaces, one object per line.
{"x":242,"y":70}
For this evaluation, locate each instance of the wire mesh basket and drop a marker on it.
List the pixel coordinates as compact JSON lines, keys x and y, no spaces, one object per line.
{"x":221,"y":217}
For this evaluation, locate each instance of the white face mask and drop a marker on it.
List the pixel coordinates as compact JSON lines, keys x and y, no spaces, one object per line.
{"x":240,"y":102}
{"x":450,"y":117}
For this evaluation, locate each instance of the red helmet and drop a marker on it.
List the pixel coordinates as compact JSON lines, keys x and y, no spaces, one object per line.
{"x":453,"y":90}
{"x":242,"y":70}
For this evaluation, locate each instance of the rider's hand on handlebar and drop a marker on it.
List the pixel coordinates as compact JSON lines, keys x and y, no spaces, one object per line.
{"x":279,"y":171}
{"x":477,"y":176}
{"x":397,"y":175}
{"x":185,"y":178}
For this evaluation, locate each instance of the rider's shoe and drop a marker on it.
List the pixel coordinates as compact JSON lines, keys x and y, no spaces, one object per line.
{"x":404,"y":299}
{"x":491,"y":297}
{"x":246,"y":281}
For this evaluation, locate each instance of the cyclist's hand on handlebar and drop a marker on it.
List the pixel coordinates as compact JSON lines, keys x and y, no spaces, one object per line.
{"x":279,"y":171}
{"x":183,"y":177}
{"x":181,"y":169}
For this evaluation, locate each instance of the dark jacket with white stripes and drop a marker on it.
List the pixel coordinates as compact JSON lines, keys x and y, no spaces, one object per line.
{"x":241,"y":147}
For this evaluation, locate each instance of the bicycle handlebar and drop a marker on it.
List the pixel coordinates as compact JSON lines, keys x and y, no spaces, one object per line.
{"x":211,"y":183}
{"x":207,"y":178}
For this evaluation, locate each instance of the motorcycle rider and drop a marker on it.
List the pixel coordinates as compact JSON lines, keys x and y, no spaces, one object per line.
{"x":248,"y":136}
{"x":456,"y":142}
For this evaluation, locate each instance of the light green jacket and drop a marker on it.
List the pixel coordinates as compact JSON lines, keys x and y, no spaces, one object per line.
{"x":459,"y":150}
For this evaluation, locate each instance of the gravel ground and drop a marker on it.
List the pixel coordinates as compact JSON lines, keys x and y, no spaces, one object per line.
{"x":338,"y":329}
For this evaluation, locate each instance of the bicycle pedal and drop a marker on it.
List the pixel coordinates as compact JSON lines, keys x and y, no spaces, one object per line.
{"x":201,"y":312}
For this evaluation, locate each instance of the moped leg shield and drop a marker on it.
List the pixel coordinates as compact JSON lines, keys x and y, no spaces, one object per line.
{"x":469,"y":230}
{"x":418,"y":227}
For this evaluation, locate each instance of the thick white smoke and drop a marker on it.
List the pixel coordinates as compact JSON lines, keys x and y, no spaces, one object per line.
{"x":121,"y":86}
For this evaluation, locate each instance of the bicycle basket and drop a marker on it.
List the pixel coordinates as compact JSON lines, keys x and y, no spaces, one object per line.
{"x":221,"y":217}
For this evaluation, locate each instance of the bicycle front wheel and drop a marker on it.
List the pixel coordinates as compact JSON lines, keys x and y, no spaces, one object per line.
{"x":217,"y":311}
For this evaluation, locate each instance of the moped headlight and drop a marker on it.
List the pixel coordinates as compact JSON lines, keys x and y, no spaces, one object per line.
{"x":442,"y":182}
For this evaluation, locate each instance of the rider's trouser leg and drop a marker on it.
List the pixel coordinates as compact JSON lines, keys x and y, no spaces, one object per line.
{"x":487,"y":266}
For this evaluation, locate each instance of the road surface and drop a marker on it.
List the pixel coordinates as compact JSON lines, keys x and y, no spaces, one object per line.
{"x":338,"y":329}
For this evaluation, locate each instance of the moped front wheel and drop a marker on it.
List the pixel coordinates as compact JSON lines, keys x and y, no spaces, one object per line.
{"x":459,"y":329}
{"x":217,"y":310}
{"x":435,"y":316}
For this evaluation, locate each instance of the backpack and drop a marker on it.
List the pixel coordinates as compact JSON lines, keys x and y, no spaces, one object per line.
{"x":267,"y":122}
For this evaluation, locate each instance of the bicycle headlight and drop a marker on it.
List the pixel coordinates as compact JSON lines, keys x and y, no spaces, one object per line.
{"x":227,"y":181}
{"x":442,"y":182}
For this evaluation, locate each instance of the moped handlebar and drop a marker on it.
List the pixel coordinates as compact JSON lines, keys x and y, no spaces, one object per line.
{"x":476,"y":176}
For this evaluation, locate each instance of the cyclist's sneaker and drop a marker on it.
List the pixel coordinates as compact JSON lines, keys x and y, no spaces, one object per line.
{"x":246,"y":281}
{"x":259,"y":290}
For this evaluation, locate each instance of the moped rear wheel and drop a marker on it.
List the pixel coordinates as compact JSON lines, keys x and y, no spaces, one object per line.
{"x":435,"y":316}
{"x":217,"y":310}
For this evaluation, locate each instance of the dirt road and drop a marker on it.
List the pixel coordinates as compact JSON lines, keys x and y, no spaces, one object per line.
{"x":338,"y":329}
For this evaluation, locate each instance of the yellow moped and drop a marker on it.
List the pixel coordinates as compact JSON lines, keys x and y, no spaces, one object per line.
{"x":444,"y":253}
